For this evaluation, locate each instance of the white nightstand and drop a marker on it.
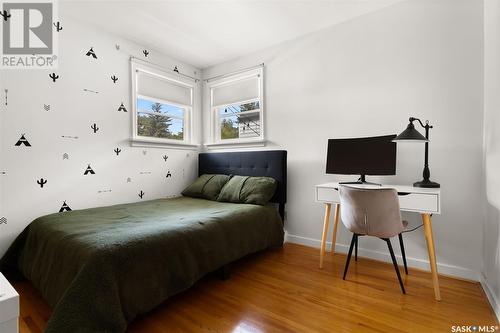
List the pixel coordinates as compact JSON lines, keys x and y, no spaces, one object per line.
{"x":9,"y":307}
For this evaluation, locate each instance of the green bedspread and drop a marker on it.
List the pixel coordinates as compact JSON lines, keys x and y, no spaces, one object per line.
{"x":101,"y":267}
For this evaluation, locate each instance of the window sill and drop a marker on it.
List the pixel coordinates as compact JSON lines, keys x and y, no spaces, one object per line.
{"x":231,"y":145}
{"x":156,"y":144}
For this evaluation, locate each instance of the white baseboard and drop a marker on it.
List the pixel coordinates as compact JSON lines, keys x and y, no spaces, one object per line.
{"x":492,"y":298}
{"x":422,"y":264}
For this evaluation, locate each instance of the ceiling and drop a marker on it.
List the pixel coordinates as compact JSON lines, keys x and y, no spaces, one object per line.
{"x":207,"y":32}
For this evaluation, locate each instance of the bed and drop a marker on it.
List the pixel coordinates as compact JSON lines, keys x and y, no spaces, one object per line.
{"x":99,"y":268}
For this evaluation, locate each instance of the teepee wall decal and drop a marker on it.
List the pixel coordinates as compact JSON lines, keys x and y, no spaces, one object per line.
{"x":64,"y":207}
{"x":89,"y":170}
{"x":91,"y":53}
{"x":22,"y":141}
{"x":122,"y":108}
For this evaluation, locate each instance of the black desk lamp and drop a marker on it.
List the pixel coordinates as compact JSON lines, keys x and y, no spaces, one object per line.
{"x":410,"y":134}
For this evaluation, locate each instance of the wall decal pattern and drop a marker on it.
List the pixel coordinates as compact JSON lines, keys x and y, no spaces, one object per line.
{"x":117,"y":151}
{"x":94,"y":127}
{"x":41,"y":182}
{"x":165,"y":157}
{"x":117,"y":46}
{"x":58,"y":26}
{"x":129,"y":180}
{"x":141,"y":194}
{"x":91,"y":53}
{"x":64,"y":207}
{"x":46,"y":107}
{"x":169,"y":174}
{"x":54,"y":77}
{"x":3,"y":220}
{"x":22,"y":141}
{"x":65,"y":156}
{"x":122,"y":108}
{"x":92,"y":91}
{"x":5,"y":15}
{"x":145,"y":52}
{"x":114,"y":78}
{"x":89,"y":171}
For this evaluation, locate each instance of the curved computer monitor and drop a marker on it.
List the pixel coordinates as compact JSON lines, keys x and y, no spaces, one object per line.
{"x":375,"y":156}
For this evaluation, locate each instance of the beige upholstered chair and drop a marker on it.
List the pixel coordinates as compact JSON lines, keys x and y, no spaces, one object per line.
{"x":372,"y":212}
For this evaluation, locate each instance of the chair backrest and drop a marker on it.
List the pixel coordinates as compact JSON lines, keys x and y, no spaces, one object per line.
{"x":372,"y":212}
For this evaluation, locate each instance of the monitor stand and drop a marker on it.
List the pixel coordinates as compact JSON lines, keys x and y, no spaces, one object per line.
{"x":361,"y":180}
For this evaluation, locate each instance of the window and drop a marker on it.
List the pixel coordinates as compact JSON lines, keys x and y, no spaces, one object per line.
{"x":162,"y":110}
{"x":236,"y":104}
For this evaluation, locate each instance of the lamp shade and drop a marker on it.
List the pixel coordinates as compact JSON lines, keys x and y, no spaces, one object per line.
{"x":410,"y":134}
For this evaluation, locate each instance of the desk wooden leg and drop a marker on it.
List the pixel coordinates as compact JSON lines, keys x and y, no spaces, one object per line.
{"x":326,"y":222}
{"x":335,"y":224}
{"x":426,"y":218}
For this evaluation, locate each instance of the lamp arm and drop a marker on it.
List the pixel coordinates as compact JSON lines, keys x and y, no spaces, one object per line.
{"x":412,"y":119}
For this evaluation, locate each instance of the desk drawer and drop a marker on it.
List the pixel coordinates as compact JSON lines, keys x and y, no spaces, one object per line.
{"x":324,"y":194}
{"x":419,"y":202}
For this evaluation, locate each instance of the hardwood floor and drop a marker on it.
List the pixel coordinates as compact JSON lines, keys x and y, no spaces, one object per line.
{"x":283,"y":290}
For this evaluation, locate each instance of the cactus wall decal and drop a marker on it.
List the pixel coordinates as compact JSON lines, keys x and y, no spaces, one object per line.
{"x":141,"y":194}
{"x":58,"y":26}
{"x":145,"y":52}
{"x":168,"y":174}
{"x":117,"y":151}
{"x":94,"y":128}
{"x":41,"y":182}
{"x":91,"y":53}
{"x":165,"y":157}
{"x":114,"y":78}
{"x":46,"y":107}
{"x":122,"y":108}
{"x":5,"y":15}
{"x":22,"y":141}
{"x":89,"y":170}
{"x":64,"y":207}
{"x":176,"y":69}
{"x":54,"y":77}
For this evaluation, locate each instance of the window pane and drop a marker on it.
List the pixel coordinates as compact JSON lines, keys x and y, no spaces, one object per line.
{"x":236,"y":108}
{"x":240,"y":126}
{"x":151,"y":106}
{"x":159,"y":120}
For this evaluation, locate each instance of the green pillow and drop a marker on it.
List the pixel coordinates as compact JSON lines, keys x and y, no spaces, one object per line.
{"x":206,"y":186}
{"x":249,"y":190}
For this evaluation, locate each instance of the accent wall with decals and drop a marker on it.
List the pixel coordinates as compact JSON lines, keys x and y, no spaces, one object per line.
{"x":65,"y":132}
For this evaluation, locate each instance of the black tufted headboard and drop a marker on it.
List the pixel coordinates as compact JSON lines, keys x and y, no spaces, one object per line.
{"x":268,"y":163}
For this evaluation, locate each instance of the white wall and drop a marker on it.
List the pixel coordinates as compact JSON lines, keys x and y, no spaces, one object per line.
{"x":365,"y":77}
{"x":491,"y":245}
{"x":72,"y":112}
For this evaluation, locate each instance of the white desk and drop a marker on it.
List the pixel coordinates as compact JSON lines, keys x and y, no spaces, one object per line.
{"x":9,"y":307}
{"x":425,"y":201}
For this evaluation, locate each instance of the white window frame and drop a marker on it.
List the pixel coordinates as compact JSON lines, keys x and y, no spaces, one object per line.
{"x":138,"y":140}
{"x":217,"y":142}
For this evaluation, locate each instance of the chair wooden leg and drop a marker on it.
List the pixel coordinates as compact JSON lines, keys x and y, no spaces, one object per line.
{"x":403,"y":252}
{"x":395,"y":263}
{"x":354,"y":237}
{"x":356,"y":249}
